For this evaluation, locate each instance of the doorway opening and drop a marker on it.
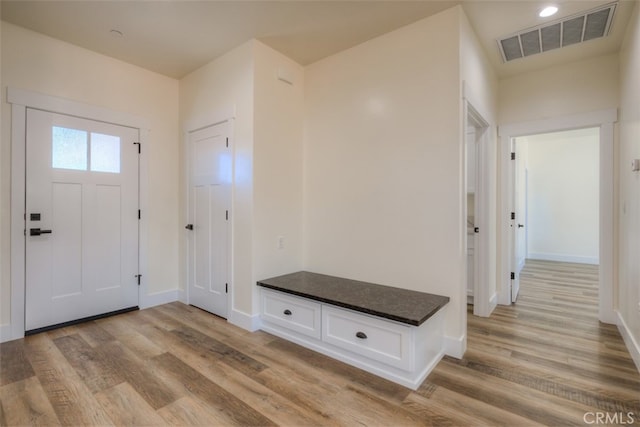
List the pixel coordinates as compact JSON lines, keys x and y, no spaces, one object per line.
{"x":556,"y":198}
{"x":602,"y":123}
{"x":477,"y":225}
{"x":112,"y":186}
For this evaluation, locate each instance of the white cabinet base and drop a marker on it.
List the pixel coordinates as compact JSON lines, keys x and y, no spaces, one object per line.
{"x":395,"y":351}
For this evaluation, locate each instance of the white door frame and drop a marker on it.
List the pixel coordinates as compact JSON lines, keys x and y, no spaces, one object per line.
{"x":481,"y":295}
{"x":20,"y":100}
{"x":199,"y":123}
{"x":603,"y":119}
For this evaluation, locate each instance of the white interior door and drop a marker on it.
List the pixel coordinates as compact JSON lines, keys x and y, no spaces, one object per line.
{"x":209,"y":206}
{"x":519,"y":221}
{"x":81,"y":218}
{"x":471,"y":211}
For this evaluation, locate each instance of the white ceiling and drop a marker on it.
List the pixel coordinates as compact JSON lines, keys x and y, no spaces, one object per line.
{"x":175,"y":37}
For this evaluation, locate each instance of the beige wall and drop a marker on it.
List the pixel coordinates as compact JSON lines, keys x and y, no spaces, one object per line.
{"x":383,"y":191}
{"x":278,"y":138}
{"x":480,"y":80}
{"x":563,"y":195}
{"x":38,"y":63}
{"x":577,"y":87}
{"x":629,"y":182}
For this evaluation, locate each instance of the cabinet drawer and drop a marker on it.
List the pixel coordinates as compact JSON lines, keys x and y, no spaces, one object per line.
{"x":377,"y":339}
{"x":298,"y":314}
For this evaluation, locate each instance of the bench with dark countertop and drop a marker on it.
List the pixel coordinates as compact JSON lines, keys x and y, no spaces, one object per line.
{"x":395,"y":333}
{"x":401,"y":305}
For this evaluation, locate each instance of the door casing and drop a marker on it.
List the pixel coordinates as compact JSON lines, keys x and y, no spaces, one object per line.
{"x":20,"y":100}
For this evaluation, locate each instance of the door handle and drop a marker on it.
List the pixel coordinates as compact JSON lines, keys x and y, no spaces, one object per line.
{"x":520,"y":225}
{"x":189,"y":227}
{"x":37,"y":232}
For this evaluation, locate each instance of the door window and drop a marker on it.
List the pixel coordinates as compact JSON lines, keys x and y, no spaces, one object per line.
{"x":105,"y":153}
{"x":72,"y":148}
{"x":69,"y":148}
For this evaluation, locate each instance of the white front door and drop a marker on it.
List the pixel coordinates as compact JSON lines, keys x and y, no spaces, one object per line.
{"x":209,"y":230}
{"x":81,"y":218}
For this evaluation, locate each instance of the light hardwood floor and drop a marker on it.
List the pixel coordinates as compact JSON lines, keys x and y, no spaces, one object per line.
{"x":545,"y":360}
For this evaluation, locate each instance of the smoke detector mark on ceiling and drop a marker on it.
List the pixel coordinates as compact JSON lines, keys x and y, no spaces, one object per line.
{"x":574,"y":29}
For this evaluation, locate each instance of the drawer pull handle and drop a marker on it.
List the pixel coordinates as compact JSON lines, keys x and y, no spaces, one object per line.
{"x":287,"y":312}
{"x":361,"y":335}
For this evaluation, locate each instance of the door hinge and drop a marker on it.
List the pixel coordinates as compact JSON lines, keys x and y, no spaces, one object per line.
{"x":513,"y":276}
{"x":227,"y":142}
{"x":226,"y":215}
{"x":138,"y":276}
{"x":226,"y":288}
{"x":139,"y":146}
{"x":513,"y":156}
{"x":513,"y":215}
{"x":139,"y":214}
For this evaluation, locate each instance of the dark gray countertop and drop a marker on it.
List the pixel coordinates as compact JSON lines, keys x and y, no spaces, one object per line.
{"x":402,"y":305}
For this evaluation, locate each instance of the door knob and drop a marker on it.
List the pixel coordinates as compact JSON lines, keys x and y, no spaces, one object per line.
{"x":189,"y":227}
{"x":37,"y":232}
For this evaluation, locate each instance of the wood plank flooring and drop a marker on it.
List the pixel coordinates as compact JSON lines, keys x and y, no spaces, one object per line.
{"x":546,"y":360}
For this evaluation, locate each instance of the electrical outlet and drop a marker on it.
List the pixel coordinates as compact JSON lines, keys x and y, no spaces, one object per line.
{"x":280,"y":242}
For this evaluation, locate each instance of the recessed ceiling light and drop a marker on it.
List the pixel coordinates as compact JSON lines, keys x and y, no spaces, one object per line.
{"x":548,"y":11}
{"x":116,"y":33}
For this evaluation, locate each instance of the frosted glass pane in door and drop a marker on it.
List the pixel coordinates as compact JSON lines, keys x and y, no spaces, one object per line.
{"x":105,"y":153}
{"x":68,"y":148}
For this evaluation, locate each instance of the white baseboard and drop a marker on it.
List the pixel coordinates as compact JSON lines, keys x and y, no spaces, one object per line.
{"x":245,"y":321}
{"x":608,"y":316}
{"x":493,"y":302}
{"x":182,"y":296}
{"x":579,"y":259}
{"x":629,"y":340}
{"x":455,"y":347}
{"x":6,"y":333}
{"x":158,"y":298}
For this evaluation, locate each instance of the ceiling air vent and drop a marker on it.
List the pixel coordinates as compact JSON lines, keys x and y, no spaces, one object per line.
{"x":574,"y":29}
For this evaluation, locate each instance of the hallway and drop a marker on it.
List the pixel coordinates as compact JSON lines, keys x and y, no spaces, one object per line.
{"x":547,"y":357}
